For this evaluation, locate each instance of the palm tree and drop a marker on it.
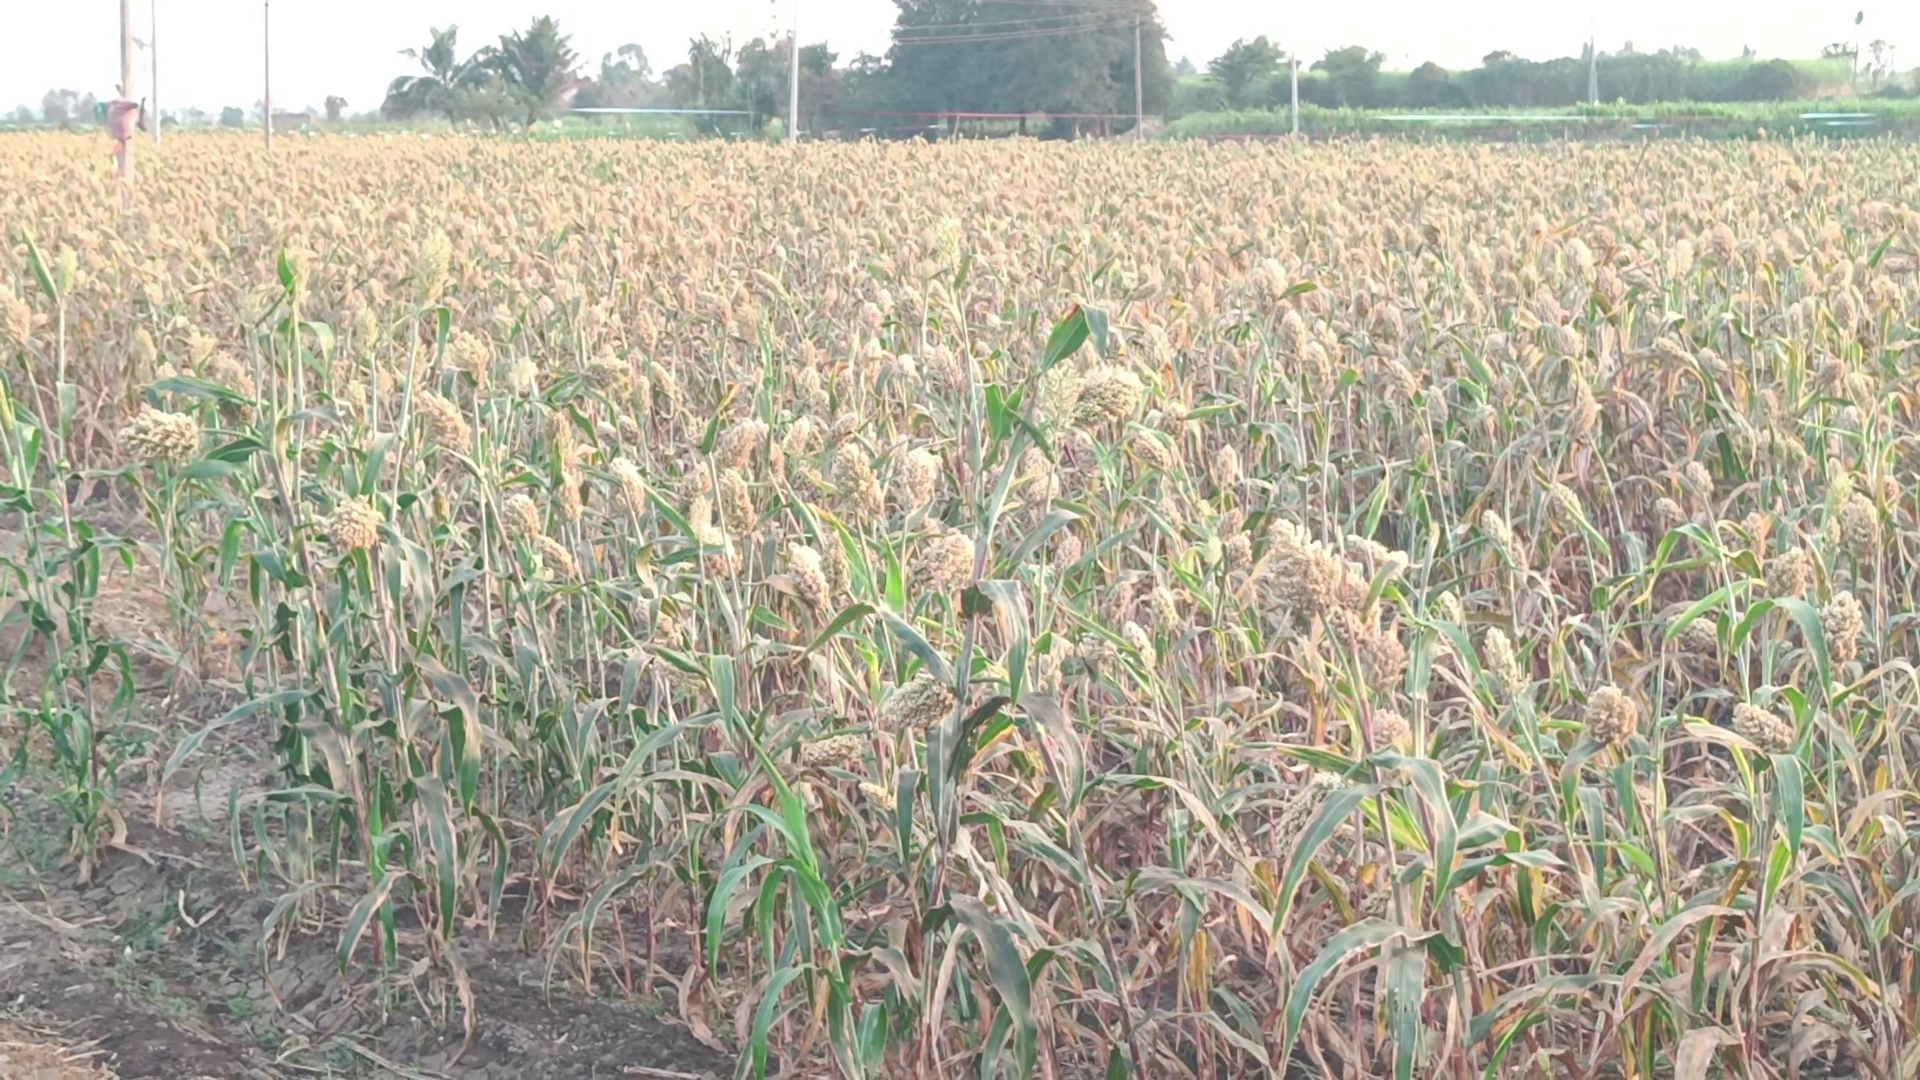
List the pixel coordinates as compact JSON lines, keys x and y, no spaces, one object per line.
{"x":434,"y":91}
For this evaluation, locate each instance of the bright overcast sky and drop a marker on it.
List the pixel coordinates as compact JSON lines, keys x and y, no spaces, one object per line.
{"x":211,"y":49}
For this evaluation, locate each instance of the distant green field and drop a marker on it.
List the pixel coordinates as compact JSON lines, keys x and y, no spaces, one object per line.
{"x":1845,"y":117}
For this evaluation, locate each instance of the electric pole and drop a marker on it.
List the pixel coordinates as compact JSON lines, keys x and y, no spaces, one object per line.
{"x":266,"y":65}
{"x":1294,"y":67}
{"x":126,"y":83}
{"x":153,"y":57}
{"x":1593,"y":69}
{"x":1139,"y":93}
{"x":793,"y":88}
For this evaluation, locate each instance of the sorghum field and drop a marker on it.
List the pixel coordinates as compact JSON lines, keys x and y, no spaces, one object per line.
{"x":1098,"y":609}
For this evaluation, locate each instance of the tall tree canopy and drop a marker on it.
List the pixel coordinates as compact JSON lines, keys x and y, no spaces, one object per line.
{"x":526,"y":74}
{"x":435,"y":90}
{"x":1064,"y":56}
{"x":538,"y":64}
{"x":1242,"y":64}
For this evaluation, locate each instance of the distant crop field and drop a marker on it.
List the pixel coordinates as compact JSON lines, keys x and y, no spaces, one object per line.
{"x":1007,"y":608}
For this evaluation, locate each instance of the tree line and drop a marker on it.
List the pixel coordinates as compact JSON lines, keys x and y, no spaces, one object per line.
{"x":1061,"y":63}
{"x":1256,"y":74}
{"x":1073,"y":57}
{"x":1069,"y":60}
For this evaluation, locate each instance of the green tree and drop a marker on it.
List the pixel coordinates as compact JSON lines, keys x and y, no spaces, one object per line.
{"x":760,"y":79}
{"x":538,"y":65}
{"x":434,"y":91}
{"x":335,"y":106}
{"x":625,"y":81}
{"x":1069,"y":56}
{"x":705,"y":81}
{"x":1353,"y":73}
{"x":1429,"y":86}
{"x":1243,"y":64}
{"x":817,"y":59}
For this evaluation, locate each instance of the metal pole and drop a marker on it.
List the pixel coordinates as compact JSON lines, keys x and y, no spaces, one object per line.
{"x":266,"y":65}
{"x":153,"y":57}
{"x":1593,"y":69}
{"x":126,"y":80}
{"x":1139,"y":94}
{"x":1295,"y":66}
{"x":793,"y":88}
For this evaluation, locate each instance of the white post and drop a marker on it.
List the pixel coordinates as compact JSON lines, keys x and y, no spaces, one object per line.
{"x":793,"y":89}
{"x":153,"y":58}
{"x":1139,"y":93}
{"x":1295,"y":67}
{"x":126,"y":80}
{"x":266,"y":66}
{"x":1593,"y":69}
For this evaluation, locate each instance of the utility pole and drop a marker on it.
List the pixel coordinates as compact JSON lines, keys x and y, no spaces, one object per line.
{"x":1593,"y":69}
{"x":793,"y":89}
{"x":1294,"y":67}
{"x":266,"y":65}
{"x":1139,"y":92}
{"x":153,"y":57}
{"x":126,"y":84}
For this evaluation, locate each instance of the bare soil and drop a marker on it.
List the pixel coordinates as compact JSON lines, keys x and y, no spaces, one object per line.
{"x":154,"y":966}
{"x":155,"y":969}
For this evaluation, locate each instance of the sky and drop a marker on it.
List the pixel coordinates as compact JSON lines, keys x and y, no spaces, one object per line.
{"x":210,"y":50}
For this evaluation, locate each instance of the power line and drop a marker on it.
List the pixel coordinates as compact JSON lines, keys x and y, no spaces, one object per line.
{"x":1015,"y":35}
{"x":1024,"y":20}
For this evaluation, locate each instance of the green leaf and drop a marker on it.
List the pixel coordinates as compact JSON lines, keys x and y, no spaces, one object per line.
{"x":1709,"y":602}
{"x":1009,"y":974}
{"x":1406,"y":979}
{"x":279,"y":699}
{"x":1060,"y":745}
{"x":1432,"y":789}
{"x":1779,"y":861}
{"x":1067,"y":337}
{"x":918,"y":646}
{"x":444,"y":843}
{"x":236,"y":451}
{"x":767,"y":1012}
{"x":1789,"y":797}
{"x":1355,"y":939}
{"x":189,"y":386}
{"x":1808,"y":617}
{"x":1325,"y":822}
{"x":466,"y":735}
{"x":361,"y":914}
{"x":1054,"y":521}
{"x":1097,"y":328}
{"x":1879,"y":252}
{"x":906,"y":790}
{"x":1009,"y":607}
{"x":722,"y":899}
{"x":38,"y":261}
{"x":849,"y":615}
{"x":1149,"y":878}
{"x":1661,"y":941}
{"x":561,"y":832}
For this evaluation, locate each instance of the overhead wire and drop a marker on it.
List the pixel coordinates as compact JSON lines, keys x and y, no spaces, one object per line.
{"x":1024,"y":20}
{"x":964,"y":33}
